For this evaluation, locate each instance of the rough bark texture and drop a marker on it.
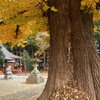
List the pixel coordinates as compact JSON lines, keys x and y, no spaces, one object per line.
{"x":85,"y":60}
{"x":83,"y":51}
{"x":72,"y":52}
{"x":60,"y":72}
{"x":94,"y":62}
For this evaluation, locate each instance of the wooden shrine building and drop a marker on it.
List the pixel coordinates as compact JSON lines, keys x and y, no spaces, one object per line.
{"x":10,"y":60}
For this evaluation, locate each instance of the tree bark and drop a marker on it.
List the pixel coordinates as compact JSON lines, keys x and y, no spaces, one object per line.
{"x":73,"y":56}
{"x":60,"y":70}
{"x":85,"y":61}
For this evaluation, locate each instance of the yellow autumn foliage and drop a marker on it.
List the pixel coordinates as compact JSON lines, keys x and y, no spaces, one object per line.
{"x":28,"y":15}
{"x":91,"y":7}
{"x":90,"y":3}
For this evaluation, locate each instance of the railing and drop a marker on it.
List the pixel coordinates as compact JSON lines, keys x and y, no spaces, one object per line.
{"x":2,"y":70}
{"x":15,"y":70}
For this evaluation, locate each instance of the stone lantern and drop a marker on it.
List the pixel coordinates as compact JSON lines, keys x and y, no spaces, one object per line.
{"x":8,"y":73}
{"x":35,"y":77}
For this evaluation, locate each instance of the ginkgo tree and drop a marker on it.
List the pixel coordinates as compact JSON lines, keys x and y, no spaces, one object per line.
{"x":73,"y":58}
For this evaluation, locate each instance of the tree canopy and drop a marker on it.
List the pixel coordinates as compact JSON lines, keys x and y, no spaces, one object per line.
{"x":19,"y":18}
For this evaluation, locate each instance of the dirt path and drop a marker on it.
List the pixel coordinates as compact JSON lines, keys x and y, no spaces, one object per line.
{"x":17,"y":89}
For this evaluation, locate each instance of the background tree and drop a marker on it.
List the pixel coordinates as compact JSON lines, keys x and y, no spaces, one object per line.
{"x":43,"y":42}
{"x":31,"y":45}
{"x":25,"y":58}
{"x":2,"y":57}
{"x":97,"y":35}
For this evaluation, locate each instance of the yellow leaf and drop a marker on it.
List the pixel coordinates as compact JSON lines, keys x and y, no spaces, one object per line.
{"x":54,"y":9}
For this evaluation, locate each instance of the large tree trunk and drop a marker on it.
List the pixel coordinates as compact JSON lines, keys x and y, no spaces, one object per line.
{"x":86,"y":65}
{"x":93,"y":58}
{"x":60,"y":70}
{"x":72,"y":53}
{"x":85,"y":60}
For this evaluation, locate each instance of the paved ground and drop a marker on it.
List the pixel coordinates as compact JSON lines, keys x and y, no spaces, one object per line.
{"x":17,"y":89}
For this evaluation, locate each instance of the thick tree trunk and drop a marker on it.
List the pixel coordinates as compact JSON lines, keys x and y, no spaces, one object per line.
{"x":85,"y":60}
{"x":60,"y":70}
{"x":93,"y":57}
{"x":86,"y":69}
{"x":72,"y":53}
{"x":94,"y":63}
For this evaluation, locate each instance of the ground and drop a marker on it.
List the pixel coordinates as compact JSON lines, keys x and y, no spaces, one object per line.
{"x":17,"y":89}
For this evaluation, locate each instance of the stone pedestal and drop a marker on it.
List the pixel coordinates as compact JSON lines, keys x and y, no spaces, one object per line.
{"x":8,"y":77}
{"x":35,"y":77}
{"x":8,"y":74}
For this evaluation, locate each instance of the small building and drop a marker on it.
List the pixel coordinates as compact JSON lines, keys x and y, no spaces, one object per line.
{"x":10,"y":59}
